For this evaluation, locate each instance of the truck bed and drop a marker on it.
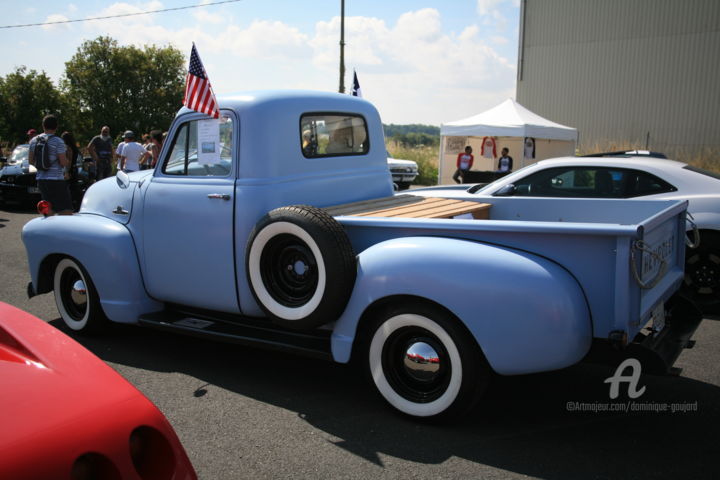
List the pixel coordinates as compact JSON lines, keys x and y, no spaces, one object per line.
{"x":597,"y":241}
{"x":412,"y":206}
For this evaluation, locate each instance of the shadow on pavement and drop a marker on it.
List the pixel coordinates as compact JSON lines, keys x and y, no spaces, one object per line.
{"x":524,"y":424}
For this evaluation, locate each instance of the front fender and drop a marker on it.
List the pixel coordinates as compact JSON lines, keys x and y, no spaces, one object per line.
{"x":527,"y":313}
{"x":105,"y":249}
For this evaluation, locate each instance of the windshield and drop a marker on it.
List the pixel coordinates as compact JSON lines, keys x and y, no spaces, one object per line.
{"x":19,"y":155}
{"x":504,"y":180}
{"x":702,"y":171}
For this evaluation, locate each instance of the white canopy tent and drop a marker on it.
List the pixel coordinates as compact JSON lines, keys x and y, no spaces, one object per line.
{"x":509,"y":124}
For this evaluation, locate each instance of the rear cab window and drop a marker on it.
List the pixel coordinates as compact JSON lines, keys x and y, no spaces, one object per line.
{"x":333,"y":134}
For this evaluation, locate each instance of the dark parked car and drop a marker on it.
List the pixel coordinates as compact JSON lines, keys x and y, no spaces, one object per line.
{"x":18,"y":185}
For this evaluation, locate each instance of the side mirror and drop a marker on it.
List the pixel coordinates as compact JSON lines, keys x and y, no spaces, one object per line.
{"x":123,"y":180}
{"x":507,"y":191}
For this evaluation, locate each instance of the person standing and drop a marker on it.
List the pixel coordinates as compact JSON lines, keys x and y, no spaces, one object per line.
{"x":464,"y":163}
{"x":51,"y":182}
{"x":75,"y":160}
{"x":118,"y":152}
{"x":101,"y":150}
{"x":133,"y":154}
{"x":156,"y":141}
{"x":147,"y":145}
{"x":505,"y":162}
{"x":72,"y":154}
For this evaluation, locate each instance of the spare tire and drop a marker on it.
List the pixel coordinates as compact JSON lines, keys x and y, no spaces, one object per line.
{"x":300,"y":266}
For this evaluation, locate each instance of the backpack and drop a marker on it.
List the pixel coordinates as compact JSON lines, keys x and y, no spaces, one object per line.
{"x":41,"y":153}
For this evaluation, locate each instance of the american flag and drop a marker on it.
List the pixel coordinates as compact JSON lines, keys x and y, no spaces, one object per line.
{"x":356,"y":91}
{"x":199,"y":95}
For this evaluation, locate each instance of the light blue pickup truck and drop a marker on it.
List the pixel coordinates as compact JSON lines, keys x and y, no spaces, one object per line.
{"x":277,"y":226}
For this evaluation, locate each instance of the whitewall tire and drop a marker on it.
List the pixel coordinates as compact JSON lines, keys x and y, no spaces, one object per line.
{"x":300,"y":266}
{"x":76,"y":298}
{"x":424,"y":364}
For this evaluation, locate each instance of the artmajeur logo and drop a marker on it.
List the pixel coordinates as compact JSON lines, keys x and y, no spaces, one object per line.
{"x":629,"y":372}
{"x":632,"y":380}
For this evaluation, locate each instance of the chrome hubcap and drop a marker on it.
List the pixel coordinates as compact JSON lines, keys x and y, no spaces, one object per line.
{"x":422,"y":362}
{"x":416,"y":364}
{"x":78,"y":293}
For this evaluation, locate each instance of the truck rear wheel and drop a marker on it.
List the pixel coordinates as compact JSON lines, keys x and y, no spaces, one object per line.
{"x":76,"y":298}
{"x":424,"y":364}
{"x":301,"y":266}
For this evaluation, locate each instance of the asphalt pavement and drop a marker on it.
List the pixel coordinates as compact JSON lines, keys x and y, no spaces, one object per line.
{"x":247,"y":413}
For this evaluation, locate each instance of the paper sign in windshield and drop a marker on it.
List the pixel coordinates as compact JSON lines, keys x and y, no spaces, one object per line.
{"x":209,"y":141}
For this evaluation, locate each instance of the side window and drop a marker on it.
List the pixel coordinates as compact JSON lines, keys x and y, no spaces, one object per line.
{"x":201,"y":148}
{"x":643,"y":183}
{"x":333,"y":134}
{"x":554,"y":182}
{"x":573,"y":182}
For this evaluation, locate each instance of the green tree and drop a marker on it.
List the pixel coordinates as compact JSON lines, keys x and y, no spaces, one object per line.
{"x":124,"y":87}
{"x":25,"y":98}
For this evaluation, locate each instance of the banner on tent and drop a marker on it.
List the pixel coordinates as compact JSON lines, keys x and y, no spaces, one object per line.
{"x":456,"y":144}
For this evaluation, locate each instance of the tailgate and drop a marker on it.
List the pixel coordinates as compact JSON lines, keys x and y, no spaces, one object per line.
{"x":656,"y":266}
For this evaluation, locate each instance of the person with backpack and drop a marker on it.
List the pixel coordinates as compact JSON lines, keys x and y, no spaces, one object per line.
{"x":47,"y":154}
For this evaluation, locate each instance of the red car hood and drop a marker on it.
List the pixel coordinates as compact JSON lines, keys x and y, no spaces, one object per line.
{"x":61,"y":402}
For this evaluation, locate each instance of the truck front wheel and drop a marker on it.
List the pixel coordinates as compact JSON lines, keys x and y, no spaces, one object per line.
{"x":76,"y":298}
{"x":424,"y":364}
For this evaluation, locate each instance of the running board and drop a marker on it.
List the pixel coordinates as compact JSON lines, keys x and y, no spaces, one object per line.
{"x":243,"y":331}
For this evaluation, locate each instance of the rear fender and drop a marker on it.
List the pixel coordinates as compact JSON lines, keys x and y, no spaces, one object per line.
{"x":706,"y":221}
{"x":106,"y":250}
{"x":527,"y":313}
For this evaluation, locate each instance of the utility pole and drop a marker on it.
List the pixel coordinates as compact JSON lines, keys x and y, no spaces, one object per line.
{"x":342,"y":46}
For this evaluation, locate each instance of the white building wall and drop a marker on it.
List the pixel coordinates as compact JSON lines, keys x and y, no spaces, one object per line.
{"x":625,"y":73}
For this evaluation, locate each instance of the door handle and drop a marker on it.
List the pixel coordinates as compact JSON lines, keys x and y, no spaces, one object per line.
{"x":222,"y":196}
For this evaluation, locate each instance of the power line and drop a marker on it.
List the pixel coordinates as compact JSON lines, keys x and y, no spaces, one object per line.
{"x":119,"y":16}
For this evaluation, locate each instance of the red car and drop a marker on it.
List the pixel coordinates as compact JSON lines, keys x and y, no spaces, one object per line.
{"x":65,"y":414}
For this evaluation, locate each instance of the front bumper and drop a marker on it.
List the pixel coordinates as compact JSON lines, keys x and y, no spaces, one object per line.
{"x":18,"y":194}
{"x":397,"y":177}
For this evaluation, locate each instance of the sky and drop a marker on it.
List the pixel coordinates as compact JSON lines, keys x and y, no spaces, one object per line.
{"x":417,"y":61}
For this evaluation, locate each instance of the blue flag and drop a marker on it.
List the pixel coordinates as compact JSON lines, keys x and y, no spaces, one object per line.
{"x":356,"y":91}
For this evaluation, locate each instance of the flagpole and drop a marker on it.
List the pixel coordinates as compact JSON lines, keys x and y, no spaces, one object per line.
{"x":342,"y":46}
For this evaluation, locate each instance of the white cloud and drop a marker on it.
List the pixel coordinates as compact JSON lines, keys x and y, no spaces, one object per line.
{"x":485,"y":7}
{"x":469,"y":32}
{"x":490,"y":14}
{"x":414,"y":71}
{"x":264,"y":39}
{"x":261,"y":39}
{"x":56,"y":17}
{"x":203,"y":16}
{"x":411,"y":68}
